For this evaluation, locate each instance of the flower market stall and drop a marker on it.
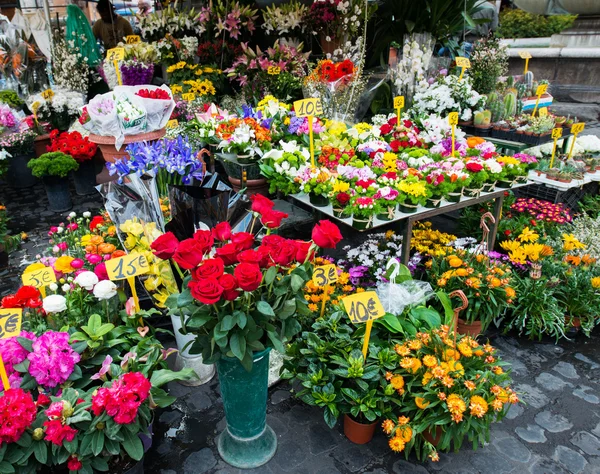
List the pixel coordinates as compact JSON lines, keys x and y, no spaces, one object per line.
{"x":236,"y":214}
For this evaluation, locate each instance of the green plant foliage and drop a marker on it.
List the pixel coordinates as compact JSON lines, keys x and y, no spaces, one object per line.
{"x":520,"y":24}
{"x":53,"y":164}
{"x":11,"y":98}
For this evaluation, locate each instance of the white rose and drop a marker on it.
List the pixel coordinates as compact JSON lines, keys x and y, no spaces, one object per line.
{"x":54,"y":304}
{"x":72,"y":215}
{"x":66,"y":287}
{"x":86,"y":280}
{"x":53,"y":286}
{"x":105,"y":290}
{"x":60,"y":230}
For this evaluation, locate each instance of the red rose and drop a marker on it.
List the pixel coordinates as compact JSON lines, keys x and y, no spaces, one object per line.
{"x":228,"y":253}
{"x":284,"y":254}
{"x":207,"y":291}
{"x":272,"y":218}
{"x":248,"y":276}
{"x":229,"y":284}
{"x":302,"y":249}
{"x":260,"y":204}
{"x":189,"y":254}
{"x":385,"y":129}
{"x":74,"y":464}
{"x":205,"y":239}
{"x":165,"y":246}
{"x":250,"y":256}
{"x":11,"y":301}
{"x":395,"y":145}
{"x":326,"y":234}
{"x":272,"y":240}
{"x":27,"y":293}
{"x":96,"y":221}
{"x":474,"y":167}
{"x":210,"y":268}
{"x":242,"y":240}
{"x":342,"y":198}
{"x":222,"y":231}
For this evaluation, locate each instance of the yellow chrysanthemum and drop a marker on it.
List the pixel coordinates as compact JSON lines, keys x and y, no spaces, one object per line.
{"x":595,"y":282}
{"x":397,"y":444}
{"x":478,"y":406}
{"x":465,"y":348}
{"x":430,"y":361}
{"x":397,"y":382}
{"x":388,"y":426}
{"x":510,"y":245}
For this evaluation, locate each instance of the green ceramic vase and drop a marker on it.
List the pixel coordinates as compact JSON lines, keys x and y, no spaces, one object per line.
{"x":248,"y":441}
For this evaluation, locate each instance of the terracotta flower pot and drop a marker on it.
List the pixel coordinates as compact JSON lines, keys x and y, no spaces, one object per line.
{"x":433,"y":435}
{"x":358,"y":433}
{"x":110,"y":152}
{"x":253,"y":186}
{"x":468,"y":329}
{"x":40,"y":143}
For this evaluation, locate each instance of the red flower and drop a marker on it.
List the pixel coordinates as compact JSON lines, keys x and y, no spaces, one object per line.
{"x":284,"y":254}
{"x":385,"y":129}
{"x":261,"y":204}
{"x":96,"y":221}
{"x":344,"y":68}
{"x":11,"y":301}
{"x":242,"y":240}
{"x":222,"y":231}
{"x":272,"y":240}
{"x":74,"y":464}
{"x":205,"y":239}
{"x":250,"y":256}
{"x":507,"y":232}
{"x":56,"y":432}
{"x":210,"y":268}
{"x":474,"y":167}
{"x":326,"y":234}
{"x":248,"y":276}
{"x":229,"y":253}
{"x":302,"y":249}
{"x":17,"y":412}
{"x":207,"y":291}
{"x":229,"y":284}
{"x":165,"y":246}
{"x":342,"y":198}
{"x":272,"y":218}
{"x":42,"y":400}
{"x":189,"y":254}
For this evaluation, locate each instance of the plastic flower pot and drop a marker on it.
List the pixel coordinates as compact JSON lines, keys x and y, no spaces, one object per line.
{"x":85,"y":178}
{"x":18,"y":174}
{"x":388,"y":215}
{"x":110,"y":152}
{"x":248,"y":441}
{"x":472,"y":192}
{"x":185,"y":359}
{"x":432,"y":203}
{"x":40,"y":144}
{"x":358,"y":433}
{"x":454,"y":197}
{"x":407,"y":208}
{"x":360,"y":223}
{"x":504,"y":183}
{"x":468,"y":329}
{"x":318,"y":200}
{"x":57,"y":190}
{"x":488,"y":187}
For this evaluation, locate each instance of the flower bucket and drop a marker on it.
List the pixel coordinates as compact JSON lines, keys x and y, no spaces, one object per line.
{"x":488,"y":187}
{"x":40,"y":144}
{"x":253,"y":186}
{"x":407,"y":208}
{"x":85,"y":178}
{"x":431,"y":203}
{"x":387,"y":216}
{"x":472,"y":192}
{"x":454,"y":197}
{"x":246,"y":159}
{"x":338,"y":212}
{"x":18,"y":174}
{"x":110,"y":152}
{"x":505,"y":184}
{"x":358,"y":433}
{"x":186,"y":360}
{"x":361,"y":224}
{"x":248,"y":441}
{"x":468,"y":329}
{"x":318,"y":200}
{"x":57,"y":190}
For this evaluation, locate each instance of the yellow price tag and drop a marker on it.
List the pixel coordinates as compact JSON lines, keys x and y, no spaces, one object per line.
{"x":190,"y":96}
{"x":10,"y":322}
{"x":541,"y":90}
{"x":132,"y":39}
{"x":463,"y":62}
{"x":543,"y":112}
{"x":47,"y":94}
{"x":115,"y":54}
{"x":363,"y":307}
{"x":172,"y":123}
{"x":39,"y":278}
{"x":308,"y":107}
{"x":127,"y":266}
{"x":577,"y":128}
{"x":525,"y":54}
{"x":453,"y":118}
{"x":399,"y":102}
{"x":325,"y":275}
{"x":557,"y":133}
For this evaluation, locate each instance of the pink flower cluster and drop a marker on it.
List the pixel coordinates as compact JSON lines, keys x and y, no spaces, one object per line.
{"x":123,"y":398}
{"x":543,"y":210}
{"x":12,"y":354}
{"x":52,"y":361}
{"x":7,"y":118}
{"x":17,"y":412}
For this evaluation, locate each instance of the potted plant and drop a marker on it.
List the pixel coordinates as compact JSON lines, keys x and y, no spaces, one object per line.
{"x":339,"y":202}
{"x":413,"y":191}
{"x":444,"y":399}
{"x":478,"y":178}
{"x":241,"y":303}
{"x":362,"y":210}
{"x":386,"y":200}
{"x":17,"y":150}
{"x":482,"y":122}
{"x":54,"y":168}
{"x":317,"y":183}
{"x":83,"y":151}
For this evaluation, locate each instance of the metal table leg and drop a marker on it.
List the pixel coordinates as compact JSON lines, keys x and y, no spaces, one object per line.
{"x":497,"y":216}
{"x":406,"y":238}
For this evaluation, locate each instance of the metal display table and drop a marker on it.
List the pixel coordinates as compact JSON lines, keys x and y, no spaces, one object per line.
{"x":408,"y":220}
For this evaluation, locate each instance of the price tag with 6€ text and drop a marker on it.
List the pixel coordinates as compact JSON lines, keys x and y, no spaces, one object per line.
{"x":127,"y":266}
{"x":10,"y":322}
{"x":463,"y":62}
{"x":325,"y":275}
{"x":308,"y":107}
{"x":399,"y":102}
{"x":363,"y":307}
{"x":39,"y":278}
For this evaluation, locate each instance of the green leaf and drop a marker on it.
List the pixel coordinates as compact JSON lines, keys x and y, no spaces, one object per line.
{"x":427,"y":315}
{"x":163,"y":376}
{"x":83,"y":415}
{"x":111,"y":446}
{"x":40,"y":450}
{"x":237,"y":343}
{"x":133,"y":445}
{"x":330,"y":418}
{"x":265,"y":308}
{"x":289,"y":308}
{"x":97,"y":442}
{"x":76,"y":374}
{"x":184,"y":299}
{"x":27,"y":344}
{"x":297,"y":283}
{"x":350,"y":393}
{"x":196,"y":322}
{"x":447,"y":304}
{"x":100,"y":464}
{"x":160,"y":397}
{"x":270,"y":275}
{"x":104,"y":329}
{"x":277,"y":344}
{"x":6,"y":467}
{"x":227,"y":323}
{"x":243,"y":319}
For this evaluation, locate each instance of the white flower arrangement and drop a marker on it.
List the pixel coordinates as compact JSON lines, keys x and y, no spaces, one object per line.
{"x":410,"y":72}
{"x":434,"y":129}
{"x":65,"y":105}
{"x":288,"y":18}
{"x":66,"y":59}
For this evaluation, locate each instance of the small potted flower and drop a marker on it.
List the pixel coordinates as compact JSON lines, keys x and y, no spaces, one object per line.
{"x":317,"y":183}
{"x":53,"y":168}
{"x":413,"y":191}
{"x":478,"y":177}
{"x":361,"y":208}
{"x":494,"y":171}
{"x":386,"y":199}
{"x":512,"y":168}
{"x":245,"y":138}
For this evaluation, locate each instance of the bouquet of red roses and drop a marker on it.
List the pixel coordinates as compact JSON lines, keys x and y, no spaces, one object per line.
{"x":153,"y":94}
{"x":242,"y":296}
{"x":72,"y":143}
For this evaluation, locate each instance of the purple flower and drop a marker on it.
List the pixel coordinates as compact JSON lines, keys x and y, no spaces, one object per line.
{"x":358,"y":272}
{"x":12,"y":352}
{"x":103,"y":370}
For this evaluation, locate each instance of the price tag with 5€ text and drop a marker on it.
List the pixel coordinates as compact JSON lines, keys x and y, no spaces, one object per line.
{"x":10,"y":322}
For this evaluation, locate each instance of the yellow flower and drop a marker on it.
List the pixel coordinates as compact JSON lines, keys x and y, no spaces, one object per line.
{"x":340,"y":187}
{"x":533,"y":251}
{"x":470,"y":385}
{"x":176,"y":88}
{"x":465,"y":348}
{"x":595,"y":282}
{"x":455,"y":262}
{"x":132,"y":227}
{"x":416,"y":189}
{"x":456,"y":406}
{"x":63,"y":264}
{"x":518,"y":256}
{"x":402,"y":350}
{"x":510,"y":245}
{"x":421,"y":403}
{"x":209,"y":70}
{"x":528,"y":235}
{"x":313,"y":307}
{"x":415,"y":344}
{"x":397,"y":444}
{"x":405,"y":433}
{"x":430,"y":361}
{"x":570,"y":242}
{"x":450,"y":354}
{"x":130,"y":242}
{"x":388,"y":426}
{"x":478,"y":406}
{"x":426,"y":378}
{"x":397,"y":382}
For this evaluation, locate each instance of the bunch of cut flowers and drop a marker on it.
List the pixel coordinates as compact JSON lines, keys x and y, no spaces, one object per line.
{"x":72,"y":143}
{"x":246,"y":137}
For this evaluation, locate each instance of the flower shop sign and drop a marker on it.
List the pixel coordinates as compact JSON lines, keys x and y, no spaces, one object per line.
{"x":364,"y":307}
{"x":127,"y":268}
{"x":10,"y":326}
